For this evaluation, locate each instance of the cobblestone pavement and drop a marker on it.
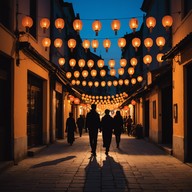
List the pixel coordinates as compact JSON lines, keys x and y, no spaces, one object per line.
{"x":136,"y":166}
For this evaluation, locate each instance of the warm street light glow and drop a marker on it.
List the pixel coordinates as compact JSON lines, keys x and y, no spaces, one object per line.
{"x":112,"y":72}
{"x":85,"y":73}
{"x":93,"y":72}
{"x":96,"y":26}
{"x":109,"y":83}
{"x":84,"y":83}
{"x":102,"y":73}
{"x":27,"y":22}
{"x":136,"y":42}
{"x":133,"y":81}
{"x":115,"y":25}
{"x":59,"y":24}
{"x":121,"y":71}
{"x":133,"y":24}
{"x":150,"y":22}
{"x":76,"y":74}
{"x":44,"y":24}
{"x":139,"y":78}
{"x":126,"y":81}
{"x":46,"y":42}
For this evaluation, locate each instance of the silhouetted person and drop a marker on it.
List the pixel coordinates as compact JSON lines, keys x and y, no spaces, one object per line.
{"x":93,"y":124}
{"x":70,"y":128}
{"x":118,"y":127}
{"x":80,"y":124}
{"x":129,"y":124}
{"x":107,"y":130}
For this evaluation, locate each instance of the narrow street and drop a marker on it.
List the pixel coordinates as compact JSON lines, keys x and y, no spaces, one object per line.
{"x":136,"y":166}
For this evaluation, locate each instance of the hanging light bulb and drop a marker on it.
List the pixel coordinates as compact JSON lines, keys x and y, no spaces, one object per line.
{"x":115,"y":25}
{"x":133,"y":24}
{"x":121,"y":42}
{"x":106,"y":44}
{"x":94,"y":44}
{"x":150,"y":22}
{"x":59,"y":24}
{"x":44,"y":24}
{"x":136,"y":42}
{"x":96,"y":26}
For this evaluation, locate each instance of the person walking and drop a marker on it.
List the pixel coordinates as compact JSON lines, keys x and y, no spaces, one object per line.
{"x":93,"y":125}
{"x":118,"y":127}
{"x":129,"y":125}
{"x":107,"y":130}
{"x":70,"y":128}
{"x":80,"y":124}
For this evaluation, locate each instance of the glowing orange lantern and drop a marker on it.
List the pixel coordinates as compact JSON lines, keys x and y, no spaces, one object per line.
{"x":46,"y":42}
{"x":140,"y":78}
{"x":131,"y":71}
{"x":100,"y":63}
{"x":147,"y":59}
{"x":86,"y":44}
{"x":71,"y":44}
{"x":111,"y":63}
{"x":115,"y":25}
{"x":136,"y":42}
{"x":77,"y":25}
{"x":106,"y":44}
{"x":96,"y":26}
{"x":160,"y":41}
{"x":44,"y":24}
{"x":133,"y":24}
{"x":148,"y":42}
{"x":68,"y":75}
{"x":27,"y":22}
{"x":167,"y":21}
{"x":159,"y":57}
{"x":93,"y":72}
{"x":76,"y":74}
{"x":123,"y":62}
{"x":90,"y":63}
{"x":59,"y":24}
{"x":121,"y":42}
{"x":112,"y":72}
{"x":61,"y":61}
{"x":133,"y":61}
{"x":94,"y":44}
{"x":58,"y":43}
{"x":72,"y":62}
{"x":102,"y":73}
{"x":121,"y":71}
{"x":150,"y":22}
{"x":81,"y":63}
{"x":85,"y":73}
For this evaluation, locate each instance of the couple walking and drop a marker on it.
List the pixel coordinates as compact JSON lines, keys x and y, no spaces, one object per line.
{"x":106,"y":126}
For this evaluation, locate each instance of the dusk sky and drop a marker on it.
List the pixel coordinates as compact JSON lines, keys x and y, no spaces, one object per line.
{"x":106,"y":11}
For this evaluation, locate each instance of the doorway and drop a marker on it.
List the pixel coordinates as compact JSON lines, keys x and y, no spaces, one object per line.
{"x":188,"y":112}
{"x":35,"y":109}
{"x":59,"y":131}
{"x":6,"y":139}
{"x":146,"y":118}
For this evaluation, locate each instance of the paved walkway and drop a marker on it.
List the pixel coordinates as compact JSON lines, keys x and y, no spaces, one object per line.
{"x":136,"y":166}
